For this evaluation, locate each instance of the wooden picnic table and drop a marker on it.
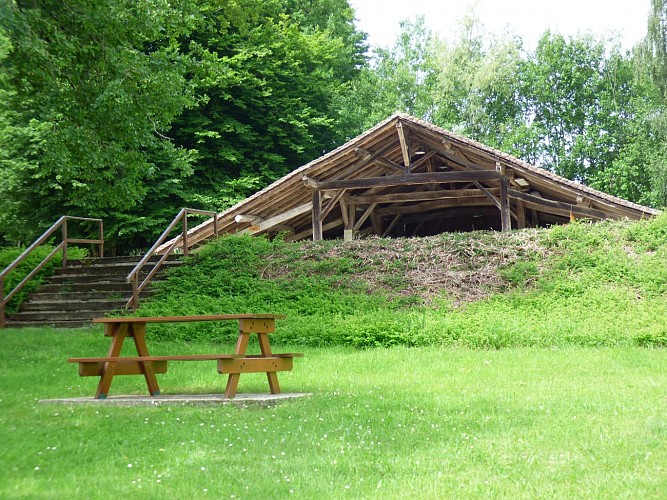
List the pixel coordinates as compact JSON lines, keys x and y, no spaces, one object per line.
{"x":148,"y":366}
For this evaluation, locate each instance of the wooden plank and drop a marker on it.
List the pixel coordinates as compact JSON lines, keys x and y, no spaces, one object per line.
{"x":364,"y":216}
{"x":505,"y":214}
{"x":405,"y":150}
{"x":434,"y":205}
{"x":381,"y":160}
{"x":556,"y":207}
{"x":410,"y":180}
{"x":252,"y":325}
{"x":424,"y":196}
{"x":254,"y":365}
{"x":423,"y":160}
{"x":308,"y":232}
{"x":233,"y":379}
{"x":520,"y":214}
{"x":491,"y":196}
{"x":123,"y":367}
{"x":265,"y":349}
{"x":110,"y":367}
{"x":147,"y":366}
{"x":278,"y":219}
{"x":334,"y":201}
{"x":177,"y":319}
{"x":317,"y":215}
{"x":180,"y":357}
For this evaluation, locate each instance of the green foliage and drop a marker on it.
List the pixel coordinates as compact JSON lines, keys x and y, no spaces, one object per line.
{"x":129,"y":111}
{"x":267,"y":80}
{"x":582,"y":284}
{"x":8,"y":255}
{"x":576,"y":106}
{"x":401,"y":78}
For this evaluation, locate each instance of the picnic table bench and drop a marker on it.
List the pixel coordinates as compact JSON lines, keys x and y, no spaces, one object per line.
{"x":144,"y":364}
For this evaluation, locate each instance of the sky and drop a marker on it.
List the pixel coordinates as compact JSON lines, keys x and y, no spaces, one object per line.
{"x":527,"y":18}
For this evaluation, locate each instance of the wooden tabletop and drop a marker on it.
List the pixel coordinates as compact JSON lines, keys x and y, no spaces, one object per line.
{"x":175,"y":319}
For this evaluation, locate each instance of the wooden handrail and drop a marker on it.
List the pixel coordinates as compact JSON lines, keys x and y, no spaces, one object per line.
{"x":181,"y":240}
{"x":59,"y":224}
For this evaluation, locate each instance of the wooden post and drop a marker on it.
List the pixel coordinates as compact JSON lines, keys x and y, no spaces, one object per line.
{"x":64,"y":228}
{"x":101,"y":239}
{"x":505,"y":214}
{"x":135,"y":291}
{"x":185,"y":232}
{"x":520,"y":214}
{"x":348,"y":231}
{"x":317,"y":215}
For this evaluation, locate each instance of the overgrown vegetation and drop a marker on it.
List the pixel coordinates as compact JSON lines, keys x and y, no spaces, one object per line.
{"x":8,"y":255}
{"x":582,"y":284}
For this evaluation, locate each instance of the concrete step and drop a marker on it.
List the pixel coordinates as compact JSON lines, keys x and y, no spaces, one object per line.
{"x":90,"y":287}
{"x":52,"y":316}
{"x":82,"y":296}
{"x":134,"y":260}
{"x":116,"y":268}
{"x":53,"y":324}
{"x":86,"y":289}
{"x":106,"y":304}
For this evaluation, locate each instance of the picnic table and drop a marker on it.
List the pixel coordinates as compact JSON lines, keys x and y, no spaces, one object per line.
{"x":144,"y":364}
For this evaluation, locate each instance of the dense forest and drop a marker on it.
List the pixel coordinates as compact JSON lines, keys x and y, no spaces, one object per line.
{"x":129,"y":110}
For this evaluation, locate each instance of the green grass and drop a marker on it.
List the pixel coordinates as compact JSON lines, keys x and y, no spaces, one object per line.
{"x":428,"y":422}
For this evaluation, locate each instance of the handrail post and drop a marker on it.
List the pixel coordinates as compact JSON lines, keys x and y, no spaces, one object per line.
{"x":101,"y":238}
{"x":185,"y":232}
{"x":2,"y":303}
{"x":64,"y":228}
{"x":135,"y":292}
{"x":215,"y":224}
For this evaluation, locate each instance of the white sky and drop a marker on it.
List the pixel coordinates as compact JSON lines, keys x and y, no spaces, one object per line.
{"x":527,"y":18}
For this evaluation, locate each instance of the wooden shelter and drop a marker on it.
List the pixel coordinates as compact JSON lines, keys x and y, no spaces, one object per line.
{"x":407,"y":177}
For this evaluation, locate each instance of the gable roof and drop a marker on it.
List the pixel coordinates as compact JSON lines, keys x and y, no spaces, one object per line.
{"x":406,"y":176}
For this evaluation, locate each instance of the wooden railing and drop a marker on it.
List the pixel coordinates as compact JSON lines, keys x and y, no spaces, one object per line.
{"x":180,"y":241}
{"x":66,"y":240}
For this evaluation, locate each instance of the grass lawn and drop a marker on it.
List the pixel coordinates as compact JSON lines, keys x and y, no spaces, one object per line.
{"x":386,"y":423}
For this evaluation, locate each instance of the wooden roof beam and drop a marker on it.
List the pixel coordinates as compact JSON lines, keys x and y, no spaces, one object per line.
{"x":557,"y":207}
{"x":424,"y":196}
{"x":404,"y":180}
{"x":405,"y":145}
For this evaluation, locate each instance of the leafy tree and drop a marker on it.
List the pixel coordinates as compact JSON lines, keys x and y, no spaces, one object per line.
{"x":401,"y":78}
{"x":478,"y":85}
{"x":267,"y":83}
{"x":95,"y":87}
{"x":656,"y":44}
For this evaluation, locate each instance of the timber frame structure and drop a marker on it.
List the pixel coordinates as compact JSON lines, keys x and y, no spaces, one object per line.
{"x":407,"y":177}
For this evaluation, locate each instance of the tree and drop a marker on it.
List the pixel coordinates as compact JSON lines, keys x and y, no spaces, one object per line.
{"x":95,"y":88}
{"x":656,"y":44}
{"x":267,"y":84}
{"x":401,"y":78}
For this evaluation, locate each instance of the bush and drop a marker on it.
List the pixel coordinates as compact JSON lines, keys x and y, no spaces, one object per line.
{"x":582,"y":284}
{"x":9,"y":254}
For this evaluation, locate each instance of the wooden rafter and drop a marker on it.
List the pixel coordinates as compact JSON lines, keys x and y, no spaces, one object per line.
{"x":427,"y":195}
{"x":405,"y":144}
{"x":408,"y":180}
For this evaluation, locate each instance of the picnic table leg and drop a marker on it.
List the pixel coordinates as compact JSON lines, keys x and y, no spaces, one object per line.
{"x":266,"y":352}
{"x":138,"y":331}
{"x":233,"y":378}
{"x":118,"y":333}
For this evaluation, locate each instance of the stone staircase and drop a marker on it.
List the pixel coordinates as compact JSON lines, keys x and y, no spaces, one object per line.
{"x":86,"y":289}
